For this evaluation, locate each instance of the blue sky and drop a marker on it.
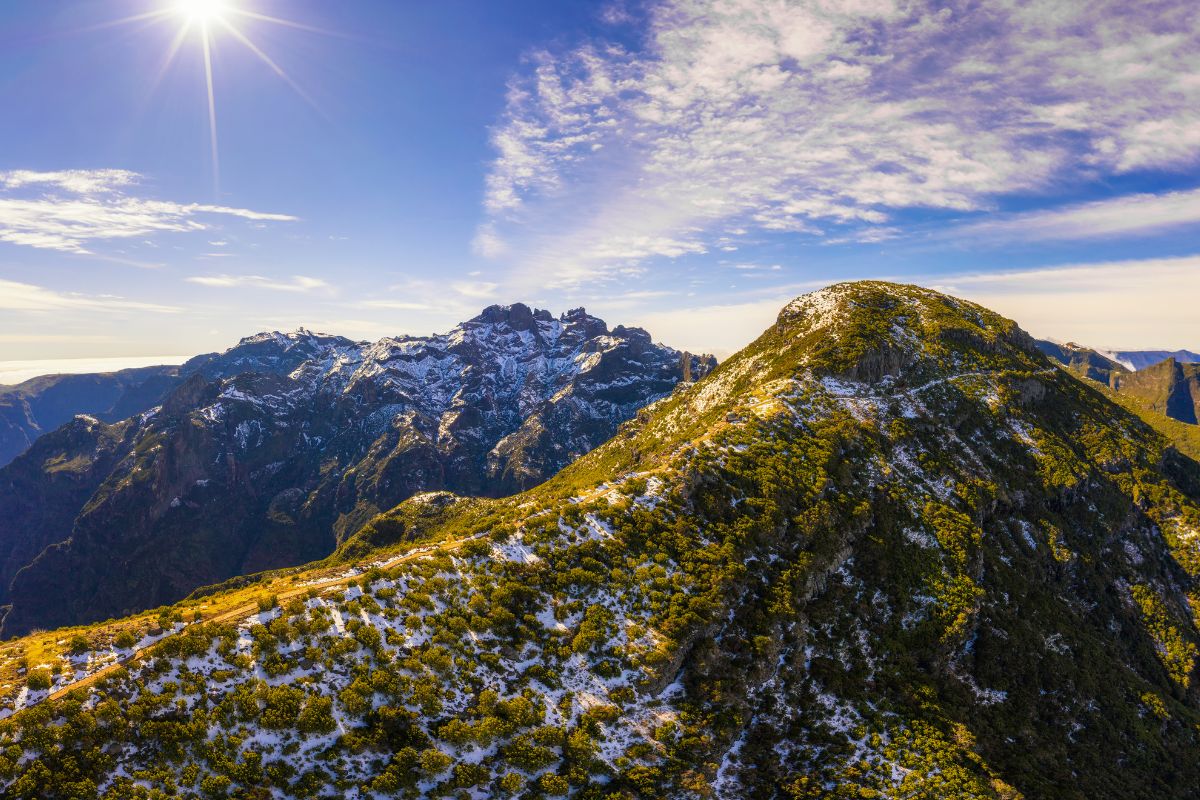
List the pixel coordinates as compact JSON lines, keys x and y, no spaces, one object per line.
{"x":687,"y":165}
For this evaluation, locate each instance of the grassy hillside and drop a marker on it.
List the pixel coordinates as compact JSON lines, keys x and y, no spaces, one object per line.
{"x":888,"y":550}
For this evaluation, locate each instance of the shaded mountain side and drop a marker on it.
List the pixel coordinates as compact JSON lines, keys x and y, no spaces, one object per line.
{"x":312,"y":437}
{"x":1184,"y":437}
{"x":44,"y":490}
{"x":39,"y":405}
{"x":1085,"y":362}
{"x":887,"y":550}
{"x":1171,"y":388}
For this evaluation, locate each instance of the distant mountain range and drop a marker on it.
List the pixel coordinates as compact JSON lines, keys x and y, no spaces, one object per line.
{"x":1169,"y":386}
{"x":272,"y":452}
{"x":39,"y":405}
{"x":42,"y":404}
{"x":1140,"y":359}
{"x":888,"y":550}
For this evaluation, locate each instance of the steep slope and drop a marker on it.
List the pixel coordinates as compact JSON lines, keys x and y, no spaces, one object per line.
{"x":44,"y":490}
{"x":1171,"y":388}
{"x":1165,"y":394}
{"x":38,"y":405}
{"x":316,"y":435}
{"x":1085,"y":362}
{"x":888,"y":550}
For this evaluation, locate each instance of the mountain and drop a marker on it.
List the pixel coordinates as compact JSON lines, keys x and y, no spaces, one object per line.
{"x":1170,"y":387}
{"x":38,"y":405}
{"x":887,"y":550}
{"x":1099,"y":365}
{"x":1085,"y":362}
{"x":1165,"y":394}
{"x":1136,"y":360}
{"x":310,"y":437}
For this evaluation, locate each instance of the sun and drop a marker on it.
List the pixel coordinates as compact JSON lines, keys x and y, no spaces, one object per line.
{"x":203,"y":11}
{"x":207,"y":22}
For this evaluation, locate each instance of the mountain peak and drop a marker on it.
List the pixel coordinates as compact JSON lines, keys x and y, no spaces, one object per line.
{"x":517,"y":316}
{"x":887,"y":550}
{"x":304,"y":437}
{"x":871,"y":330}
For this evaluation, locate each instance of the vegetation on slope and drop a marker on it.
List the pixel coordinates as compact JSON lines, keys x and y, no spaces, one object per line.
{"x":886,"y":551}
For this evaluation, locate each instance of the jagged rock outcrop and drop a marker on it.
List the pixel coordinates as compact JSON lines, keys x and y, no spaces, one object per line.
{"x":311,"y":437}
{"x":955,"y":572}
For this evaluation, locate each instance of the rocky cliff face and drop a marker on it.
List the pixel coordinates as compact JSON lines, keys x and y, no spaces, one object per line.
{"x":1170,"y":387}
{"x":887,"y":550}
{"x":311,"y":437}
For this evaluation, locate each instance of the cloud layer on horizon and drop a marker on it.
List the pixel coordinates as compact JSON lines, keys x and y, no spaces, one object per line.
{"x":297,"y":283}
{"x":828,"y":117}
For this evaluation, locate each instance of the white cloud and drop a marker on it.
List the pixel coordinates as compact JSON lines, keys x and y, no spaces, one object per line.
{"x":487,"y":244}
{"x":1122,"y":216}
{"x":74,"y":209}
{"x":477,"y":290}
{"x":15,"y":296}
{"x":76,"y":181}
{"x":444,"y":302}
{"x":720,"y":329}
{"x":298,"y":283}
{"x":827,"y":117}
{"x":395,"y":305}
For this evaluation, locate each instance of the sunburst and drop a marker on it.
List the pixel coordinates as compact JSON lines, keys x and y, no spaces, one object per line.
{"x":203,"y":21}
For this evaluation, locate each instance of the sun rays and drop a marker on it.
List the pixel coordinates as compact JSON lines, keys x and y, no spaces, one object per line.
{"x":204,"y":21}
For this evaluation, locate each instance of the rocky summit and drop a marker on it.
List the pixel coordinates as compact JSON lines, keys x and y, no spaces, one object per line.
{"x":888,"y":550}
{"x":271,"y":453}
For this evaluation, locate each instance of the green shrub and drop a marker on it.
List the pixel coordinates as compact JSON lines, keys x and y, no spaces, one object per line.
{"x":39,"y":680}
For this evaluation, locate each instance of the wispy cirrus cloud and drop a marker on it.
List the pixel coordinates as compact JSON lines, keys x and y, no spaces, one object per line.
{"x":1137,"y":214}
{"x":76,"y":181}
{"x":17,"y":296}
{"x":297,"y":283}
{"x":827,"y":118}
{"x":71,"y":210}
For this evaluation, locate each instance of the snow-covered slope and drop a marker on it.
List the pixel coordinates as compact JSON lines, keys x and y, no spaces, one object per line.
{"x":888,"y":550}
{"x":270,"y":453}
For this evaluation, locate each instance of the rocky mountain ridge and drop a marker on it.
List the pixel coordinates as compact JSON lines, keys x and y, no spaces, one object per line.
{"x":1136,"y":360}
{"x":887,"y":550}
{"x":271,"y":453}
